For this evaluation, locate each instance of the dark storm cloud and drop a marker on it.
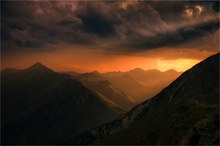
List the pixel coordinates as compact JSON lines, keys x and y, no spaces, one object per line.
{"x":17,"y":9}
{"x":215,"y":6}
{"x":176,"y":38}
{"x":96,"y":19}
{"x":170,"y":11}
{"x":122,"y":25}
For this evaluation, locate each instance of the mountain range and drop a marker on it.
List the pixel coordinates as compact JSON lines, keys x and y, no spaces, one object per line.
{"x":127,"y":89}
{"x":184,"y":113}
{"x":40,"y":106}
{"x":136,"y":85}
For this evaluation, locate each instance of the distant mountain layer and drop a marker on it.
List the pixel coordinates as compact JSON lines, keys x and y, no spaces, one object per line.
{"x":135,"y":86}
{"x":185,"y":113}
{"x":127,"y":89}
{"x":130,"y":86}
{"x":99,"y":84}
{"x":141,"y":84}
{"x":40,"y":106}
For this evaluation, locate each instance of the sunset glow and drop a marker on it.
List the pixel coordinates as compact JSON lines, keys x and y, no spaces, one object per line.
{"x":86,"y":61}
{"x":178,"y":65}
{"x":109,"y":72}
{"x":118,"y":36}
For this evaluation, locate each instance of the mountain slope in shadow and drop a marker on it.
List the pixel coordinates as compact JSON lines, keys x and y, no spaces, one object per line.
{"x":40,"y":106}
{"x":186,"y":112}
{"x":98,"y":83}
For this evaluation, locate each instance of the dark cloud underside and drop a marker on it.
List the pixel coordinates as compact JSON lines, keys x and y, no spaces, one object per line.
{"x":123,"y":26}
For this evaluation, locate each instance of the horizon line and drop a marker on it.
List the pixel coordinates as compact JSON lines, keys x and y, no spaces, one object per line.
{"x":80,"y":72}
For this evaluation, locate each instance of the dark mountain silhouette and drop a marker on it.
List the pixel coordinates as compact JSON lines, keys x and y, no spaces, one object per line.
{"x":141,"y":84}
{"x":40,"y":106}
{"x":8,"y":71}
{"x":91,"y":76}
{"x":186,"y":112}
{"x":37,"y":69}
{"x":72,"y":73}
{"x":99,"y":84}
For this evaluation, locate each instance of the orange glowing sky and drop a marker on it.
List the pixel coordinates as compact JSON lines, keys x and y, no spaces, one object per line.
{"x":87,"y":60}
{"x":85,"y":36}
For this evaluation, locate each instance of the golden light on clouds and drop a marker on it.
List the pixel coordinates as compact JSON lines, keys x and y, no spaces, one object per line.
{"x":126,"y":4}
{"x":199,"y":9}
{"x":189,"y":12}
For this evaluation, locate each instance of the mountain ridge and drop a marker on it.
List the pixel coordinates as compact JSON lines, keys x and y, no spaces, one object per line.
{"x":104,"y":87}
{"x":40,"y":106}
{"x":169,"y":116}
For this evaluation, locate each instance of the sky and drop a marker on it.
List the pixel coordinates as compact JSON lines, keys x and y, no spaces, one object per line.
{"x":84,"y":36}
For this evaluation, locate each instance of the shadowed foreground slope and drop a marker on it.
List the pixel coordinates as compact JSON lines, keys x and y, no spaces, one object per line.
{"x":185,"y":112}
{"x":40,"y":106}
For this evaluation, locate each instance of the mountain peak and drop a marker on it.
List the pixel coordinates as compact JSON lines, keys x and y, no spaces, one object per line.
{"x":137,"y":70}
{"x":171,"y":71}
{"x":153,"y":70}
{"x":96,"y":72}
{"x":38,"y":64}
{"x":39,"y":67}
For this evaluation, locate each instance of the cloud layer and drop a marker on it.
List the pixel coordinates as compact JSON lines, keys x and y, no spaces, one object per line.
{"x":114,"y":26}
